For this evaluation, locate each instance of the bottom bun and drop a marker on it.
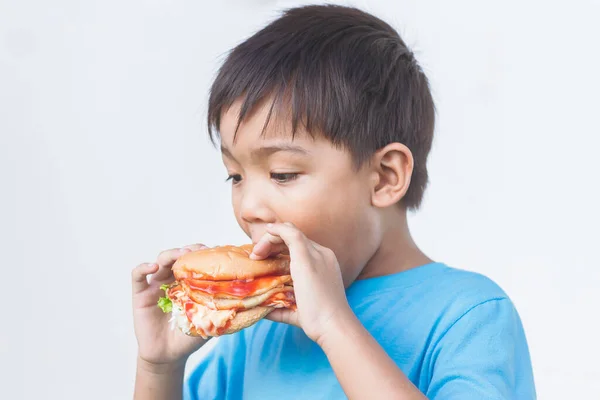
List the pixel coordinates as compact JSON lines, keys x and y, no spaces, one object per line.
{"x":242,"y":320}
{"x":246,"y":318}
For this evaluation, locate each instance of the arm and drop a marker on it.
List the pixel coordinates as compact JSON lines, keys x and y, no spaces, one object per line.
{"x":367,"y":369}
{"x":158,"y":382}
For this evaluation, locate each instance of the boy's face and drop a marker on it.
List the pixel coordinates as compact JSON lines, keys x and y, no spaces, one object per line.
{"x":306,"y":181}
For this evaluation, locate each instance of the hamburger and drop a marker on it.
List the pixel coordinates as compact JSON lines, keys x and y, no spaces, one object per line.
{"x":220,"y":290}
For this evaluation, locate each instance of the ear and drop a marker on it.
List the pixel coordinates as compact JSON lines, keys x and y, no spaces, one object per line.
{"x":392,"y":169}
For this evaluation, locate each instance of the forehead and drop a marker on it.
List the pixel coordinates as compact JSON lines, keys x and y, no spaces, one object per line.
{"x":255,"y":142}
{"x":265,"y":124}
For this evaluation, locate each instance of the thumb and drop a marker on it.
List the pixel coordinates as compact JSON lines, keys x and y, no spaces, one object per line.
{"x":284,"y":315}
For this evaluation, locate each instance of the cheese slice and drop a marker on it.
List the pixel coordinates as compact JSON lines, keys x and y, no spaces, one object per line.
{"x":281,"y":300}
{"x":237,"y":289}
{"x":235,"y":304}
{"x":206,"y":321}
{"x":188,"y":315}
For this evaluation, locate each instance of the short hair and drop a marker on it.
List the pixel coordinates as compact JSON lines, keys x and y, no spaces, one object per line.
{"x":341,"y":73}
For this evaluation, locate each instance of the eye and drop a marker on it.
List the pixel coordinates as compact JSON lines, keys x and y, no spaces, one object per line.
{"x":234,"y":178}
{"x":284,"y":177}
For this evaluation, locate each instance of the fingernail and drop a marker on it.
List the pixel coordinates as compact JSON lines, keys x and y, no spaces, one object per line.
{"x":269,"y":225}
{"x":184,"y":250}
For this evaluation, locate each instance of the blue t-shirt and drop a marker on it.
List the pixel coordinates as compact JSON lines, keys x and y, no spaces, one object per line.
{"x":454,"y":333}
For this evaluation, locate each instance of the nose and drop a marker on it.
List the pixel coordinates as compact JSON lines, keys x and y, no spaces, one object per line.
{"x":254,"y":206}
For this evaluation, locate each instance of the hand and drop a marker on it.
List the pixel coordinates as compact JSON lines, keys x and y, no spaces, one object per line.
{"x":158,"y":344}
{"x":318,"y":284}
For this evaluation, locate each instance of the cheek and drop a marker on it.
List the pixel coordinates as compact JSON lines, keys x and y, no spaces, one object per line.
{"x":236,"y":199}
{"x":338,"y":220}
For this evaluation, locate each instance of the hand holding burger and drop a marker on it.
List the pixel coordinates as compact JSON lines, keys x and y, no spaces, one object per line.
{"x":158,"y":345}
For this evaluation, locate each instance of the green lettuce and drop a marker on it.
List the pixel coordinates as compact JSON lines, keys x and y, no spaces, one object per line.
{"x":165,"y":287}
{"x":165,"y":304}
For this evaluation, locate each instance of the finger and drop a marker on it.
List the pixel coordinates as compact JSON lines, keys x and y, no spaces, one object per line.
{"x":316,"y":247}
{"x":167,"y":258}
{"x":139,"y":276}
{"x":266,"y":246}
{"x":294,"y":239}
{"x":165,"y":261}
{"x":284,"y":315}
{"x":195,"y":246}
{"x":324,"y":252}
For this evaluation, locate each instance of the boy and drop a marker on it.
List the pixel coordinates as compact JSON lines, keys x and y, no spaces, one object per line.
{"x":325,"y":122}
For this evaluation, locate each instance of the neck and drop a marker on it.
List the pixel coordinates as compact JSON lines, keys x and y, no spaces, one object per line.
{"x":397,"y":252}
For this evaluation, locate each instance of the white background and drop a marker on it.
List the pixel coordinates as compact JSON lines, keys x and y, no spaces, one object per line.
{"x":104,"y":161}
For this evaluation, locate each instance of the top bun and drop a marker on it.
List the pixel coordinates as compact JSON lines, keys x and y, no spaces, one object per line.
{"x":228,"y":263}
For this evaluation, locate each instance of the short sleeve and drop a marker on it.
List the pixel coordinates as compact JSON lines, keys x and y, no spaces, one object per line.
{"x":483,"y":355}
{"x":210,"y":378}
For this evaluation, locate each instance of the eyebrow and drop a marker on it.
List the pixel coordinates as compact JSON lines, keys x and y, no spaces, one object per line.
{"x":266,"y":151}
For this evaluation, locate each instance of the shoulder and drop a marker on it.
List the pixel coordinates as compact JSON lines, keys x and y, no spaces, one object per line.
{"x":467,"y":287}
{"x":432,"y":297}
{"x":433,"y":291}
{"x":465,"y":302}
{"x":443,"y":295}
{"x":458,"y":292}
